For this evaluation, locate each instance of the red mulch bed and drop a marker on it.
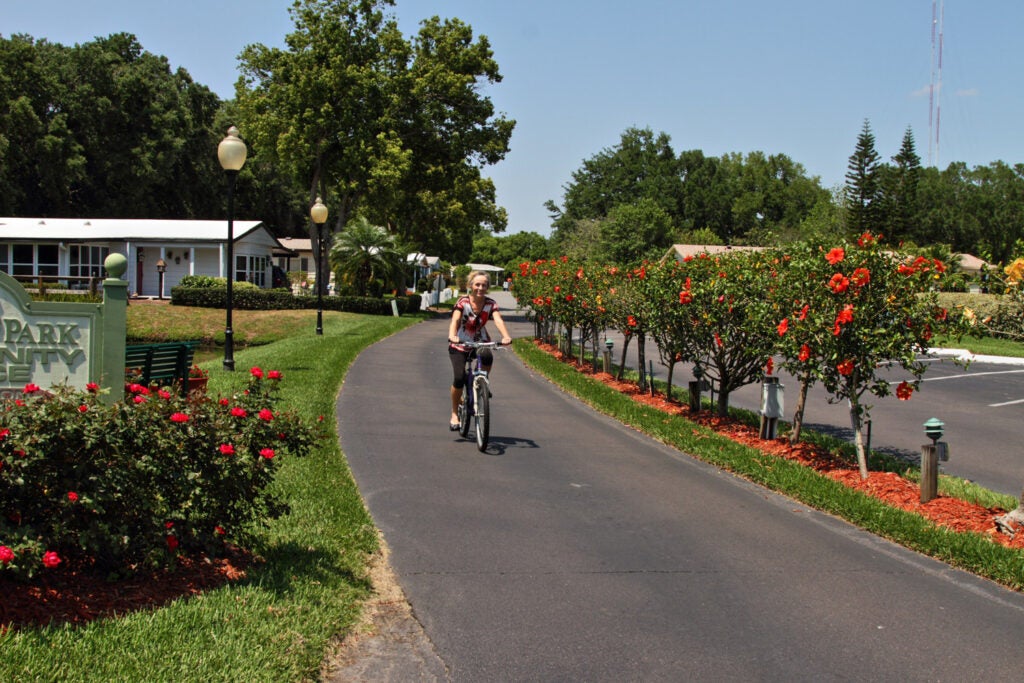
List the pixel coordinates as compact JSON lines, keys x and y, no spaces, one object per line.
{"x":956,"y":514}
{"x":77,"y":595}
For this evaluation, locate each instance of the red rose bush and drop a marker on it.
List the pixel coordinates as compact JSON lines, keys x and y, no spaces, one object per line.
{"x":130,"y":485}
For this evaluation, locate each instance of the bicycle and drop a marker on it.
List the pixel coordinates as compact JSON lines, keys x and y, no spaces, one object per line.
{"x":476,"y":396}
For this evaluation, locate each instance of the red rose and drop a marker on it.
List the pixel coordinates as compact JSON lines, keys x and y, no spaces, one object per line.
{"x":6,"y":554}
{"x":50,"y":559}
{"x":179,"y":417}
{"x":227,"y":449}
{"x":172,"y":543}
{"x":267,"y":414}
{"x":267,"y":453}
{"x":274,"y":374}
{"x":238,"y":412}
{"x":72,"y":496}
{"x":256,"y":372}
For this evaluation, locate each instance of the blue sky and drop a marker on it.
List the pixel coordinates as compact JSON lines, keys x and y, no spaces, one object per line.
{"x":796,"y":77}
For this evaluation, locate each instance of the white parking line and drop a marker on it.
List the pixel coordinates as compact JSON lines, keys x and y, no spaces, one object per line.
{"x":972,"y":374}
{"x":1007,"y":403}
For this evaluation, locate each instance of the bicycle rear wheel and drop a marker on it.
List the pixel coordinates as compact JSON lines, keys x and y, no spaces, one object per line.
{"x":482,"y":414}
{"x":465,"y":411}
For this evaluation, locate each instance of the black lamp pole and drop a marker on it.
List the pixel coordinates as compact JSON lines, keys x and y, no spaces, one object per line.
{"x":318,"y":212}
{"x":231,"y":152}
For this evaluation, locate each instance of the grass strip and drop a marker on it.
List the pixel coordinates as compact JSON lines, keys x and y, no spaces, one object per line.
{"x":968,"y":551}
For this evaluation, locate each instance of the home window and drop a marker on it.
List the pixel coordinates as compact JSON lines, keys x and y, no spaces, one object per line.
{"x":86,"y":261}
{"x":252,"y":269}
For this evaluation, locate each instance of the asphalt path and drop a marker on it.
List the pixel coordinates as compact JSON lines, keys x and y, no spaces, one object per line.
{"x":578,"y":549}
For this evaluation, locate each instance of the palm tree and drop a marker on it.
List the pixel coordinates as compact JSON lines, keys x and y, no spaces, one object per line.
{"x":363,"y":253}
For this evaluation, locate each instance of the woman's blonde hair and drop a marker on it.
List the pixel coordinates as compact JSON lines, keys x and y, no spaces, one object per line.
{"x":474,"y":275}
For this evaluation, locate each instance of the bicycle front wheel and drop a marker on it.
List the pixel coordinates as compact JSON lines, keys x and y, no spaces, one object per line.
{"x":482,"y":414}
{"x":465,"y":411}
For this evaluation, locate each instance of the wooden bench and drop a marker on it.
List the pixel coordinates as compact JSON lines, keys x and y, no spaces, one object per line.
{"x":165,"y":363}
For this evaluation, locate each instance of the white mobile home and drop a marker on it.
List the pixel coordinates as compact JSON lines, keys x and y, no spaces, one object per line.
{"x":75,"y":248}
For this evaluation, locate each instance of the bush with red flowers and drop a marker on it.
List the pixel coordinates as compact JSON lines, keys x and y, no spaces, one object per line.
{"x":128,"y":486}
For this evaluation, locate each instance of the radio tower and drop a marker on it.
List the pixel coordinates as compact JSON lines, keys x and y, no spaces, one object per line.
{"x":935,"y":89}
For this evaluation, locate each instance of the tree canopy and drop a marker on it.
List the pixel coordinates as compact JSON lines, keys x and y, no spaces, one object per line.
{"x":392,"y":128}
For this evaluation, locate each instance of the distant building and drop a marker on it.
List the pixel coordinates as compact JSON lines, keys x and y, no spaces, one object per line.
{"x":74,"y":248}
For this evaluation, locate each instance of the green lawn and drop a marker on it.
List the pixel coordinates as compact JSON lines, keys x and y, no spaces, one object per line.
{"x":275,"y":625}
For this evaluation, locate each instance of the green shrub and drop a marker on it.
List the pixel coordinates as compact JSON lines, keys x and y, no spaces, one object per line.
{"x":130,"y":485}
{"x":203,"y":281}
{"x":255,"y":299}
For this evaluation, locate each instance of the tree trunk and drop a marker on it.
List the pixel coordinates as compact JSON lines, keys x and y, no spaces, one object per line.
{"x":858,"y":438}
{"x":622,"y":362}
{"x":798,"y":414}
{"x":642,"y":362}
{"x":668,"y":387}
{"x":1012,"y":520}
{"x":723,"y":402}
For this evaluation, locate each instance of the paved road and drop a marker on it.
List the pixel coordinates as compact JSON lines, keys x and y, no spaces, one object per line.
{"x":577,"y":549}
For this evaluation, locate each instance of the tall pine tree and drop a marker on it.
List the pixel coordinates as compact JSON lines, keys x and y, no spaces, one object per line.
{"x":863,"y":189}
{"x":901,"y":192}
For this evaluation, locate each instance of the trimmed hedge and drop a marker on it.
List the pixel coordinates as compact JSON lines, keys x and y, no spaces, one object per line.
{"x":252,"y":299}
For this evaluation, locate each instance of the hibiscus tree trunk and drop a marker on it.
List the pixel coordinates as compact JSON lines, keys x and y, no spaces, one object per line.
{"x":798,"y":415}
{"x":858,"y":438}
{"x":1012,"y":520}
{"x":622,"y":361}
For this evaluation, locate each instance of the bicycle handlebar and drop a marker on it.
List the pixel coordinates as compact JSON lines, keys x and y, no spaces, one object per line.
{"x":481,"y":345}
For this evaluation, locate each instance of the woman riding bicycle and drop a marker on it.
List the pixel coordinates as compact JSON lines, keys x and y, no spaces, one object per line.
{"x":469,"y":319}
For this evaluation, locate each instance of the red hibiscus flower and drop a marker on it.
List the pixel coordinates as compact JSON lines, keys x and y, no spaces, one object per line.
{"x":845,"y":367}
{"x":845,"y":315}
{"x":860,"y":277}
{"x":685,"y":297}
{"x":835,"y":256}
{"x":865,"y":239}
{"x":839,"y":283}
{"x":783,"y":327}
{"x":805,"y":353}
{"x":631,"y":321}
{"x":903,"y":391}
{"x":803,"y":312}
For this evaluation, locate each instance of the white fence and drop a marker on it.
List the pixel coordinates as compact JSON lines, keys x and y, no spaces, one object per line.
{"x":434,"y":298}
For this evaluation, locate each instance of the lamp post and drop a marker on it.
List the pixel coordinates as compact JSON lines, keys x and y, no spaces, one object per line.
{"x":231,"y":153}
{"x":318,"y":212}
{"x":161,"y":267}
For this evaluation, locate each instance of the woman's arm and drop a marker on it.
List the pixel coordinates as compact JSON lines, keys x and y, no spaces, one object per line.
{"x":453,"y":326}
{"x":506,"y":338}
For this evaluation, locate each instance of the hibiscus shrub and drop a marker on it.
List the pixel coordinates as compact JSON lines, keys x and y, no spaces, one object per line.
{"x":128,"y":486}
